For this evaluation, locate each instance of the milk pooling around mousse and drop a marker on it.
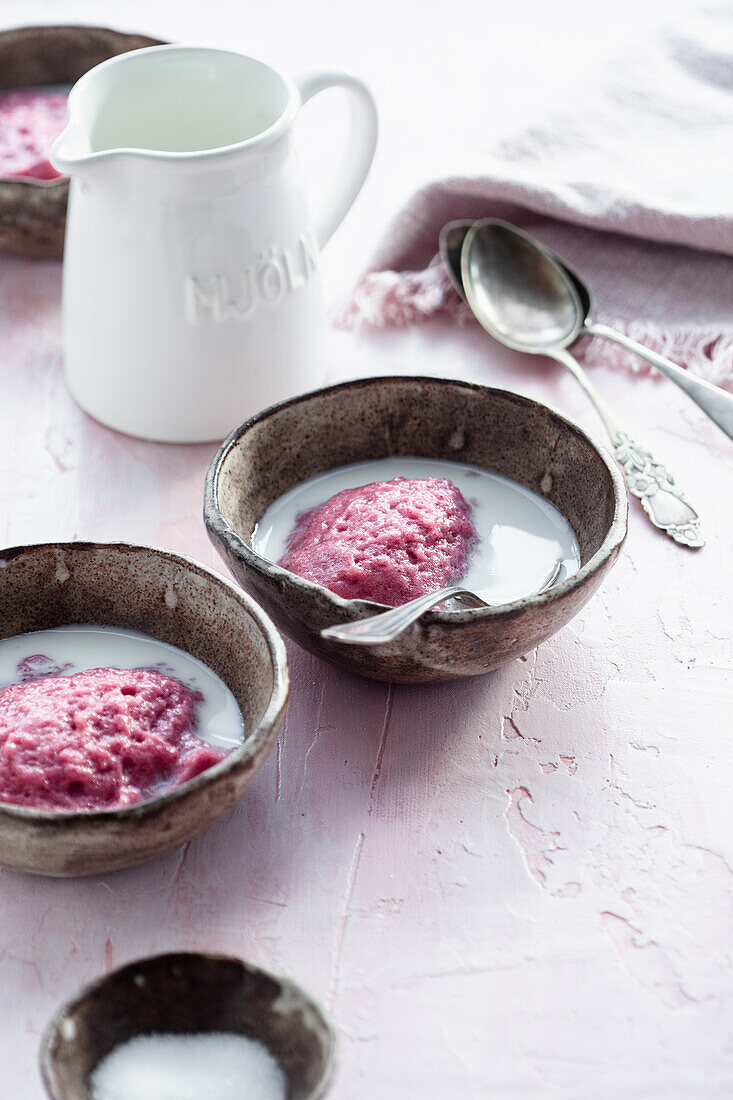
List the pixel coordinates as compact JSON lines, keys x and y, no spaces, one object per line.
{"x":98,"y":740}
{"x":522,"y":539}
{"x":75,"y":736}
{"x":64,"y":650}
{"x":388,"y":541}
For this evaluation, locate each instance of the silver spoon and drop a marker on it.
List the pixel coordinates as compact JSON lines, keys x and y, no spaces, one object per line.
{"x":524,"y":297}
{"x":388,"y":625}
{"x":711,"y":399}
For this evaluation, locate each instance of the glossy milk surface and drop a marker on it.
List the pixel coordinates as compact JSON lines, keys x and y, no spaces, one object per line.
{"x":521,"y":536}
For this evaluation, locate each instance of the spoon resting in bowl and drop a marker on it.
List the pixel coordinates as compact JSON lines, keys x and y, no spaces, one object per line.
{"x":388,"y":625}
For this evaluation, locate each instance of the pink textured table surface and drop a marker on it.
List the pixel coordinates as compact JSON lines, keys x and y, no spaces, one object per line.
{"x":519,"y":886}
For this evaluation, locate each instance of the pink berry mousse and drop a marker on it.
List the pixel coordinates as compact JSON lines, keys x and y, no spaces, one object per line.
{"x":98,"y":740}
{"x":30,"y":122}
{"x":388,"y":542}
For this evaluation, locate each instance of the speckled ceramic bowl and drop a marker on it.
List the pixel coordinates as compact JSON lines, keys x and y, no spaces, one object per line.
{"x":188,"y":993}
{"x":178,"y":601}
{"x":433,"y":418}
{"x":33,"y":212}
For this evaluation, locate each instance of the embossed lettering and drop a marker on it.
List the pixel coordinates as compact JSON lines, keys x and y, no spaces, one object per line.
{"x":205,"y":296}
{"x":294,"y":278}
{"x":270,"y":279}
{"x":307,"y":248}
{"x":241,"y":306}
{"x":277,"y":271}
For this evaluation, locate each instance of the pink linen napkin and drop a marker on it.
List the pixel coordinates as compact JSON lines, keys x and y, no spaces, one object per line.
{"x":632,"y":184}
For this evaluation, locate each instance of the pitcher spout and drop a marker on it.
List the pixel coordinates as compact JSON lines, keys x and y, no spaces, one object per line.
{"x":72,"y":154}
{"x":70,"y":150}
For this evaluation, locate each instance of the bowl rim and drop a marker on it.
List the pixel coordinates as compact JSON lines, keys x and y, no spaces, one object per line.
{"x":55,"y":1024}
{"x":254,"y":742}
{"x":218,"y":526}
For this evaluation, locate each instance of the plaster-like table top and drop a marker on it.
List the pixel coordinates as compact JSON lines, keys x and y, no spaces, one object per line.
{"x":515,"y":886}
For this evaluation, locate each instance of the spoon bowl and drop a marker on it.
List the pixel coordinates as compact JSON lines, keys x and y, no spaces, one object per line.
{"x":521,"y":295}
{"x":451,"y":239}
{"x":454,"y":234}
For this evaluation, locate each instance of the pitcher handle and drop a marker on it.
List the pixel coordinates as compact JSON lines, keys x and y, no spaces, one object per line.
{"x":349,"y":177}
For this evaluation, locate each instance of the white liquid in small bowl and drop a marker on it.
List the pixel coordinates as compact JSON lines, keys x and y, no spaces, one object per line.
{"x":522,"y":537}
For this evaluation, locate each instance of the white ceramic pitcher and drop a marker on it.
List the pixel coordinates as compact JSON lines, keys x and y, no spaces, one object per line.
{"x":191,"y":290}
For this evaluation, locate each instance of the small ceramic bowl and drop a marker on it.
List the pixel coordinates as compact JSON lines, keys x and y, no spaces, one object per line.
{"x":433,"y":418}
{"x":33,"y":212}
{"x":185,"y":994}
{"x":175,"y":600}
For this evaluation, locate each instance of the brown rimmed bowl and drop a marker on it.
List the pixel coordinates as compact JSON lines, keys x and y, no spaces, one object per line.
{"x":176,"y":600}
{"x":186,"y":994}
{"x":33,"y":212}
{"x":432,"y":418}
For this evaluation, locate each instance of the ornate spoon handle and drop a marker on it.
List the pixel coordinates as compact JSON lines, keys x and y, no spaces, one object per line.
{"x":645,"y":478}
{"x":655,"y":488}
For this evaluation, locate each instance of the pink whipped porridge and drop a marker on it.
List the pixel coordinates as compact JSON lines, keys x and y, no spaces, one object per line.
{"x":30,"y":122}
{"x":98,"y":740}
{"x":388,"y":542}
